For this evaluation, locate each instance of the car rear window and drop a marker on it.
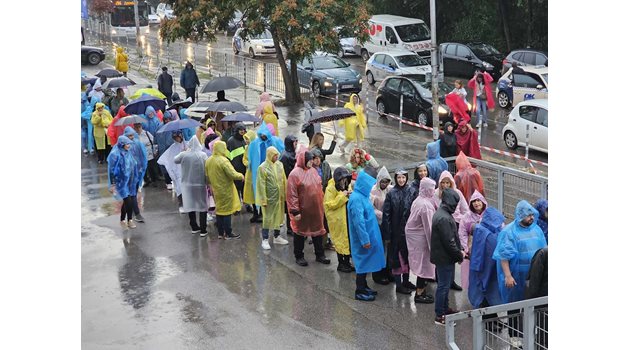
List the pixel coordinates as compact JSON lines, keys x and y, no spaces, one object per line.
{"x":392,"y":84}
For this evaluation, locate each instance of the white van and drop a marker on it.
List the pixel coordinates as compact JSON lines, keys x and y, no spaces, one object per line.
{"x":396,"y":32}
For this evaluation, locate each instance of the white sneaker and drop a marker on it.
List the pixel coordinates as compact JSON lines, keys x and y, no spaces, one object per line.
{"x":485,"y":125}
{"x":265,"y":244}
{"x":169,"y":187}
{"x":209,"y":219}
{"x":181,"y":210}
{"x":280,"y":240}
{"x":478,"y":125}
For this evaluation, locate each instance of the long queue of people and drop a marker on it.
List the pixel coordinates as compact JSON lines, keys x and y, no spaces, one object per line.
{"x":388,"y":227}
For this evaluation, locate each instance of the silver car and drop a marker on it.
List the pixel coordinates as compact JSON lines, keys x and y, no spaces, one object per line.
{"x":387,"y":63}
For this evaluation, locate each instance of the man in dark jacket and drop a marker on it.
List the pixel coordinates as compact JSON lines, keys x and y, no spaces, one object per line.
{"x":189,"y":80}
{"x":165,"y":85}
{"x":287,"y":158}
{"x":446,"y":250}
{"x":236,"y":147}
{"x":537,"y":279}
{"x":396,"y":210}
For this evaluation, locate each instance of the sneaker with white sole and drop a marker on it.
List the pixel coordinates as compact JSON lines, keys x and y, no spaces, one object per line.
{"x":485,"y":125}
{"x":139,"y":218}
{"x":265,"y":244}
{"x":124,"y":225}
{"x":203,"y":233}
{"x":181,"y":210}
{"x":169,"y":187}
{"x":131,"y":224}
{"x":193,"y":231}
{"x":280,"y":240}
{"x":478,"y":125}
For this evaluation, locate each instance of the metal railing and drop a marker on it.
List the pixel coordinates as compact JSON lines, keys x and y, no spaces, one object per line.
{"x":522,"y":325}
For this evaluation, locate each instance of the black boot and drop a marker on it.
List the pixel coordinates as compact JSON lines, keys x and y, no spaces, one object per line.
{"x":406,"y":282}
{"x":343,"y":266}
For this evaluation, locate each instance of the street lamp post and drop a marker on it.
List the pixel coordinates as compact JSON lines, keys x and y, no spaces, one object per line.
{"x":434,"y":74}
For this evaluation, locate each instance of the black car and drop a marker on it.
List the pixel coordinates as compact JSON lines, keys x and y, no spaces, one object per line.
{"x":463,"y":60}
{"x":417,"y":98}
{"x":92,"y":55}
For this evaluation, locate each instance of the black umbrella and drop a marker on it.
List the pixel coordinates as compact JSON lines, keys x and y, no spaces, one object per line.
{"x":200,"y":105}
{"x":181,"y":103}
{"x":110,"y":73}
{"x":221,"y":83}
{"x":85,"y":81}
{"x":241,"y":117}
{"x":222,"y":106}
{"x":118,"y":83}
{"x":139,"y":105}
{"x":330,"y":115}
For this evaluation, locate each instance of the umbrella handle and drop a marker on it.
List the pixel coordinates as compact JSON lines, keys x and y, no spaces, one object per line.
{"x":335,"y":127}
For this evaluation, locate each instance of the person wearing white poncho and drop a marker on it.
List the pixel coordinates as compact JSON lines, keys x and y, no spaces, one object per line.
{"x":193,"y":185}
{"x":174,"y":170}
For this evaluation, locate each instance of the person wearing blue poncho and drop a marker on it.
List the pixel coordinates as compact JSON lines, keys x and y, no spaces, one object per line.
{"x":139,"y":153}
{"x":516,"y":245}
{"x":543,"y":207}
{"x":435,"y":163}
{"x":123,"y":175}
{"x":257,"y":150}
{"x":190,"y":132}
{"x":86,"y":125}
{"x":153,"y":122}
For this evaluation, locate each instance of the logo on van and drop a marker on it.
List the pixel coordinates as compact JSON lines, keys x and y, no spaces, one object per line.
{"x":375,"y":28}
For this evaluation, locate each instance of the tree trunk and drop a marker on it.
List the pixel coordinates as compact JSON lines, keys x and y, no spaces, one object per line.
{"x":291,"y":88}
{"x":505,"y":21}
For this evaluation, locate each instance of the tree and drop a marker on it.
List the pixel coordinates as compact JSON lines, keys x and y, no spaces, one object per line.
{"x":300,"y":27}
{"x":99,"y":9}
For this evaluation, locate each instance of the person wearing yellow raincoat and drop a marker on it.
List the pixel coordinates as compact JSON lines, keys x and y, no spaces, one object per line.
{"x":335,"y":200}
{"x":121,"y":64}
{"x":269,"y":117}
{"x":271,"y":187}
{"x":355,"y":125}
{"x":101,"y":118}
{"x":221,"y":175}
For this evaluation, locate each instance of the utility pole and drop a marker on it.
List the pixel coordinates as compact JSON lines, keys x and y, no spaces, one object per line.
{"x":434,"y":74}
{"x":137,"y":19}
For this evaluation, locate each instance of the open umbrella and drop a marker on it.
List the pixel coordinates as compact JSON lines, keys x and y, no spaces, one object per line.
{"x":241,"y":117}
{"x":178,"y":125}
{"x":86,"y":80}
{"x":221,"y":83}
{"x":110,"y":73}
{"x":200,"y":106}
{"x":330,"y":115}
{"x":139,"y":105}
{"x":118,"y":83}
{"x":181,"y":103}
{"x":131,"y":119}
{"x":226,"y":106}
{"x":149,"y":91}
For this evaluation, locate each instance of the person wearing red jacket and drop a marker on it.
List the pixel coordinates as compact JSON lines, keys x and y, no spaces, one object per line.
{"x":482,"y":96}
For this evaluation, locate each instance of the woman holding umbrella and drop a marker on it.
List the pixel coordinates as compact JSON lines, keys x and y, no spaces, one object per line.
{"x":101,"y":119}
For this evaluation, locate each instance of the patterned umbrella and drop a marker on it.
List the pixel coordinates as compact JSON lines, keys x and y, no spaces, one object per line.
{"x":330,"y":115}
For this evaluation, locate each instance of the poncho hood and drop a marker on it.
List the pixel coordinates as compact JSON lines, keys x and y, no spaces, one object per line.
{"x":450,"y":199}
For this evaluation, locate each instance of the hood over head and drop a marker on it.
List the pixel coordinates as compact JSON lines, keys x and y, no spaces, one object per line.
{"x":317,"y":153}
{"x":364,"y":183}
{"x":541,"y":206}
{"x":524,"y":209}
{"x":427,"y":188}
{"x":446,"y":174}
{"x":119,"y":49}
{"x":130,"y":131}
{"x":401,"y":171}
{"x":492,"y":219}
{"x":238,"y":127}
{"x":268,"y":108}
{"x":288,"y":143}
{"x":446,"y":125}
{"x":271,"y":151}
{"x":149,"y":112}
{"x":382,"y":175}
{"x":308,"y":155}
{"x":462,"y":161}
{"x":122,"y":141}
{"x":194,"y":145}
{"x":433,"y":149}
{"x":476,"y":195}
{"x":220,"y":148}
{"x":341,"y":173}
{"x":264,"y":130}
{"x":264,"y":97}
{"x":450,"y":199}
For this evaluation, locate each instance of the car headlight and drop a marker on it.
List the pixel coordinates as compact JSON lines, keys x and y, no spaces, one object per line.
{"x":442,"y":110}
{"x":113,"y":31}
{"x":259,"y":47}
{"x":486,"y":64}
{"x":327,"y":84}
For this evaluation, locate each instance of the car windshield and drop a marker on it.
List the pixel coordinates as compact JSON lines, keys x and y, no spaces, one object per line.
{"x":328,"y":62}
{"x":413,"y":32}
{"x":264,"y":35}
{"x":410,"y":61}
{"x":483,"y":50}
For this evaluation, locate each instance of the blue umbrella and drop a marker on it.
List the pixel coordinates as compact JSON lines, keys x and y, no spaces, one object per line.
{"x":139,"y":105}
{"x":241,"y":117}
{"x":178,"y":125}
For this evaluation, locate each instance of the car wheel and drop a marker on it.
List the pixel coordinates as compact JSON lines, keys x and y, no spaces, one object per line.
{"x":510,"y":140}
{"x":316,"y":89}
{"x":370,"y":78}
{"x":423,"y":118}
{"x":252,"y":54}
{"x":365,"y":55}
{"x":235,"y":49}
{"x":504,"y":100}
{"x":94,"y":58}
{"x":380,"y":108}
{"x":340,"y":53}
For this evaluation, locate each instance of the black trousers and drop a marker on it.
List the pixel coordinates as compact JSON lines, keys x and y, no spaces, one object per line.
{"x":191,"y":93}
{"x":126,"y":211}
{"x":421,"y":282}
{"x":152,"y":171}
{"x":203,"y":216}
{"x":103,"y":153}
{"x":134,"y":205}
{"x":386,"y":272}
{"x":298,"y":245}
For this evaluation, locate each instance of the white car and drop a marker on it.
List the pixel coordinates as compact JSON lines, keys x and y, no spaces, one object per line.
{"x":526,"y":83}
{"x":386,"y":63}
{"x":254,"y":45}
{"x":165,"y":11}
{"x":154,"y":19}
{"x":534,"y":114}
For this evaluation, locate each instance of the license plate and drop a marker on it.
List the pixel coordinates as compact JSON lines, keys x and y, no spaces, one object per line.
{"x":346,"y":86}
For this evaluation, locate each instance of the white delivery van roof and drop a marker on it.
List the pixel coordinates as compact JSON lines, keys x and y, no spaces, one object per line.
{"x":395,"y":20}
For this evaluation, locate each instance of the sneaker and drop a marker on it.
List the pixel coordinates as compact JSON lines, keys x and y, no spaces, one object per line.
{"x":364,"y":296}
{"x":85,"y":151}
{"x":485,"y":125}
{"x":455,"y":286}
{"x":169,"y":187}
{"x":265,"y":244}
{"x":403,"y":290}
{"x":423,"y":298}
{"x":280,"y":240}
{"x":193,"y":231}
{"x":181,"y":210}
{"x":478,"y":125}
{"x":131,"y":224}
{"x":124,"y":225}
{"x":139,"y":218}
{"x":209,"y":219}
{"x":233,"y":236}
{"x":301,"y":262}
{"x":203,"y":233}
{"x":371,"y":291}
{"x":440,"y":320}
{"x":323,"y":260}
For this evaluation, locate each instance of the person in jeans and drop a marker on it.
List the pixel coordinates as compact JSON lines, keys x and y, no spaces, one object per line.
{"x":271,"y":186}
{"x":189,"y":80}
{"x":446,"y":250}
{"x":482,"y":96}
{"x":221,"y":175}
{"x":194,"y":194}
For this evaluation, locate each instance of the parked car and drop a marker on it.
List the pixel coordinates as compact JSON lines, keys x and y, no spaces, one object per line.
{"x":154,"y":19}
{"x":464,"y":59}
{"x":524,"y":57}
{"x":235,"y":22}
{"x":92,"y":55}
{"x":165,"y":11}
{"x":534,"y":114}
{"x":386,"y":63}
{"x":417,"y":98}
{"x":347,"y":44}
{"x":261,"y":44}
{"x":325,"y":72}
{"x":525,"y":83}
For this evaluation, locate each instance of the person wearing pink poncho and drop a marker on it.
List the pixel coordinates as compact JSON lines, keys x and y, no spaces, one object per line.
{"x":477,"y":205}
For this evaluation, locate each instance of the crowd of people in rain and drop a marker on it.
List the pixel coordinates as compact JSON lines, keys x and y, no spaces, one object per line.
{"x":423,"y":224}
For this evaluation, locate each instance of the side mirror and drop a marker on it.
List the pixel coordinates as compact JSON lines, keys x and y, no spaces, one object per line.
{"x":539,"y":87}
{"x":308,"y":68}
{"x":469,"y":57}
{"x":392,"y":66}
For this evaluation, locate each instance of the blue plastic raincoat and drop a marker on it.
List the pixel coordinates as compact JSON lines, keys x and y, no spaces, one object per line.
{"x":435,"y":163}
{"x":364,"y":228}
{"x":482,"y":278}
{"x":541,"y":206}
{"x":139,"y":153}
{"x":153,"y":122}
{"x":122,"y":170}
{"x":190,"y":132}
{"x":518,"y":244}
{"x":257,"y":150}
{"x":86,"y":115}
